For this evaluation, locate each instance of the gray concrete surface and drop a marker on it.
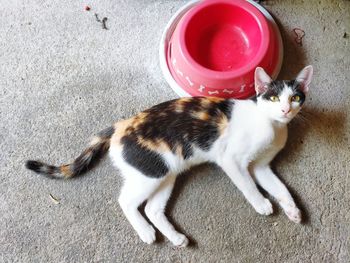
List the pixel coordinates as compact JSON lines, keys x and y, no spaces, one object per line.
{"x":62,"y":78}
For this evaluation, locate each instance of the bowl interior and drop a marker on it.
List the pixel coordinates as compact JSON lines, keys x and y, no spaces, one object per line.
{"x":223,"y":37}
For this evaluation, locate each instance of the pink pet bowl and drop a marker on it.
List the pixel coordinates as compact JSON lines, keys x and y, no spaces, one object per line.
{"x":212,"y":47}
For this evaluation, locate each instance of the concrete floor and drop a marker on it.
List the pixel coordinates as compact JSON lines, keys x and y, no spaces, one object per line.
{"x":63,"y":78}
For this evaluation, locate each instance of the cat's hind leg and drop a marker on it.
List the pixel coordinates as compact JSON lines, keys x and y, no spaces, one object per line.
{"x":136,"y":189}
{"x":155,"y":211}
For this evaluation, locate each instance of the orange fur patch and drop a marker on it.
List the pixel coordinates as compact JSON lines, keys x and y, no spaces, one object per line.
{"x":206,"y":102}
{"x":122,"y":128}
{"x":157,"y":145}
{"x":184,"y":100}
{"x":178,"y":150}
{"x":222,"y":123}
{"x":95,"y":140}
{"x":139,"y":119}
{"x":179,"y":107}
{"x":202,"y":115}
{"x":216,"y":100}
{"x":65,"y":169}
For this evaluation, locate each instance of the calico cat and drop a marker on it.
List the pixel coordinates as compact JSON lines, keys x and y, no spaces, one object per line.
{"x":152,"y":148}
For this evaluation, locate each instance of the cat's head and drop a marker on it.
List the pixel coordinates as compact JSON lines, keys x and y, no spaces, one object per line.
{"x":281,"y":100}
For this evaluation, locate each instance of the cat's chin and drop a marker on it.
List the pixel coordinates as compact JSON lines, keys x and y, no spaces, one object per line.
{"x":283,"y":120}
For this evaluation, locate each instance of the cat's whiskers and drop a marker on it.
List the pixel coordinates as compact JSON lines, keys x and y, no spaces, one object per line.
{"x":303,"y":117}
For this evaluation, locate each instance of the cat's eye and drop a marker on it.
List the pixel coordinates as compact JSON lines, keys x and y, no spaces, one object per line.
{"x":296,"y":98}
{"x":274,"y":98}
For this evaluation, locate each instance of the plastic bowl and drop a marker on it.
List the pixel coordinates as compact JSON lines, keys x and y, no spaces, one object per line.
{"x":216,"y":45}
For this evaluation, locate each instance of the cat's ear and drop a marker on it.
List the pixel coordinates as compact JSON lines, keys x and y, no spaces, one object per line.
{"x":304,"y":78}
{"x":262,"y":80}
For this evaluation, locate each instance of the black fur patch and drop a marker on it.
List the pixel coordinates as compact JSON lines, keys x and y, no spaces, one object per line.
{"x":254,"y":98}
{"x":296,"y":87}
{"x":146,"y":161}
{"x":276,"y":88}
{"x":89,"y":158}
{"x":206,"y":136}
{"x":177,"y":123}
{"x":41,"y":168}
{"x":187,"y":150}
{"x":225,"y":107}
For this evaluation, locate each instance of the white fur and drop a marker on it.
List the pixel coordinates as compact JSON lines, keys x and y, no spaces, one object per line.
{"x":255,"y":134}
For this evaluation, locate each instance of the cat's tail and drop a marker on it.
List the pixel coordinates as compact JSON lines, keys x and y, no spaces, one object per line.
{"x":83,"y":163}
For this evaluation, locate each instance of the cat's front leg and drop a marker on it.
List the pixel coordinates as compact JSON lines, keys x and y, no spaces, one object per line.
{"x":272,"y":184}
{"x":242,"y":179}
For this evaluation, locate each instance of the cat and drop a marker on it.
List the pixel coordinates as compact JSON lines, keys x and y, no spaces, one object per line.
{"x":153,"y":147}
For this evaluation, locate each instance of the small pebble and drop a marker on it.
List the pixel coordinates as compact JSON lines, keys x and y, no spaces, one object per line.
{"x":87,"y":8}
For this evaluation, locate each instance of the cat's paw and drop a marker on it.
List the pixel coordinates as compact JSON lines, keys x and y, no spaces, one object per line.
{"x":179,"y":240}
{"x":148,"y":234}
{"x":293,"y":213}
{"x":264,"y":207}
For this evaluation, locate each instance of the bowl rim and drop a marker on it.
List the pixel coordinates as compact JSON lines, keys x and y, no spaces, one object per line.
{"x":164,"y":47}
{"x":239,"y":72}
{"x":169,"y":31}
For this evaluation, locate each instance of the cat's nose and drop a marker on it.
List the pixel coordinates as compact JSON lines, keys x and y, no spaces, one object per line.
{"x":286,"y":110}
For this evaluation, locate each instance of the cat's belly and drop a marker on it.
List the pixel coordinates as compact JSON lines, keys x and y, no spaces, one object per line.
{"x":178,"y":165}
